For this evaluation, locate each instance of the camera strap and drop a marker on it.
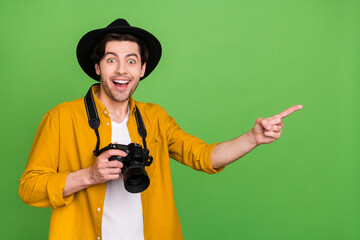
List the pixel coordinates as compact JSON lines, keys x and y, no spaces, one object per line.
{"x":141,"y":127}
{"x":94,"y":120}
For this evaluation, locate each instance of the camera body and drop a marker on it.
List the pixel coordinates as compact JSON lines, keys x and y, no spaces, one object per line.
{"x":135,"y":177}
{"x":135,"y":154}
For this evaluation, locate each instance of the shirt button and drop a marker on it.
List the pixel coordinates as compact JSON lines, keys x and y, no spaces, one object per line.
{"x":105,"y":112}
{"x":98,"y":238}
{"x":107,"y":123}
{"x":98,"y":209}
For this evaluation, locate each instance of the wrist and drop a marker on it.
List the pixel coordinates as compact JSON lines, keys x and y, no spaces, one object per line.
{"x":76,"y":181}
{"x":88,"y":179}
{"x":252,"y":139}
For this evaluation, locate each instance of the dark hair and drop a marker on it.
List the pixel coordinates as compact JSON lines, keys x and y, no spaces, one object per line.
{"x":99,"y":49}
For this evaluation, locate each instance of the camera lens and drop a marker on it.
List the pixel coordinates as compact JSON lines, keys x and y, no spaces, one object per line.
{"x":136,"y":179}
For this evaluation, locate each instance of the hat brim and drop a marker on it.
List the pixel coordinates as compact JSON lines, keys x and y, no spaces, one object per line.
{"x":89,"y":40}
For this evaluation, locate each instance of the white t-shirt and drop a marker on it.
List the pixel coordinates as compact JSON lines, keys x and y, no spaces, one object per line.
{"x":122,"y":215}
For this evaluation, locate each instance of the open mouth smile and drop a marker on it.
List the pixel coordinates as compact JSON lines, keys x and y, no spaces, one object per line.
{"x":121,"y":84}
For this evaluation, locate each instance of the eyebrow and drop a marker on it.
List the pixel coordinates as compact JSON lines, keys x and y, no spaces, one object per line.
{"x":128,"y":55}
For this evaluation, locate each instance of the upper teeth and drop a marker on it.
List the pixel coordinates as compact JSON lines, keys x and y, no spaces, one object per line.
{"x":121,"y":81}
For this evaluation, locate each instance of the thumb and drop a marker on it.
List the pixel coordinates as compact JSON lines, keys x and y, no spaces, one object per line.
{"x":259,"y":125}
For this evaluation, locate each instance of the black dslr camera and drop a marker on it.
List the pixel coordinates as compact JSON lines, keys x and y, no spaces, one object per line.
{"x":135,"y":177}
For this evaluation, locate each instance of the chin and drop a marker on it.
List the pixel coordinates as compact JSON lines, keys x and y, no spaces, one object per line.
{"x":122,"y":98}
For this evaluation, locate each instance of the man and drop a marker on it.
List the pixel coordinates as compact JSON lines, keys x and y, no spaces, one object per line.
{"x":86,"y":191}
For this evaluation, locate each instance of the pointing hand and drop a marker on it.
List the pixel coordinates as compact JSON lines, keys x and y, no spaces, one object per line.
{"x":269,"y":129}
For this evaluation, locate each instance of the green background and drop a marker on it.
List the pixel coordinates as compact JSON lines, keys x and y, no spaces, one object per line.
{"x":224,"y":64}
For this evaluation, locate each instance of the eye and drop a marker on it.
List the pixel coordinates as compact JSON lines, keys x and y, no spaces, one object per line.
{"x":111,"y":60}
{"x":131,"y":61}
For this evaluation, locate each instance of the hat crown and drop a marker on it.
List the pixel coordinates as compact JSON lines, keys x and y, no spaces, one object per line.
{"x":119,"y":23}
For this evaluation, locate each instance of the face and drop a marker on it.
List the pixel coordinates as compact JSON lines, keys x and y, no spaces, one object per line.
{"x":120,"y":70}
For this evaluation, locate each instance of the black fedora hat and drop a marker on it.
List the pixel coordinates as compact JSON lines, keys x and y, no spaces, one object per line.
{"x":121,"y":26}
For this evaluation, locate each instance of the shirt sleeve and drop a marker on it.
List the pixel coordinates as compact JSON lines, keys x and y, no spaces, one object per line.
{"x":188,"y":149}
{"x":42,"y":185}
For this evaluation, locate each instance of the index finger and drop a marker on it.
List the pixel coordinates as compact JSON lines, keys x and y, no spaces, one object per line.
{"x":290,"y":110}
{"x":113,"y":152}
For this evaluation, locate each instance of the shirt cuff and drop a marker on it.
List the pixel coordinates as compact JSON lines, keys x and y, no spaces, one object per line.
{"x":55,"y":187}
{"x":210,"y":168}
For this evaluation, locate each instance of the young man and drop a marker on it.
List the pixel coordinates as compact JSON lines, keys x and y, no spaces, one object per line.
{"x":86,"y":191}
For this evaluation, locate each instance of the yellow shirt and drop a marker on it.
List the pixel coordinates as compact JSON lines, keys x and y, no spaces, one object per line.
{"x":64,"y":143}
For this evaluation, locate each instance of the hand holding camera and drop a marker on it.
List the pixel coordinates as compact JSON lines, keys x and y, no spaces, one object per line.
{"x":104,"y":170}
{"x":134,"y":161}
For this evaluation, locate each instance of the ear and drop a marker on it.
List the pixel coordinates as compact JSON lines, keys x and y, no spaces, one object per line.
{"x":97,"y":69}
{"x":143,"y":68}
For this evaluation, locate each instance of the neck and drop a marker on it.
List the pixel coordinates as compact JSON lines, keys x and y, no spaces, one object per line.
{"x":117,"y":110}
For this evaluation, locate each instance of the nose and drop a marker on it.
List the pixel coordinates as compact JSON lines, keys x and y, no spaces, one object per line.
{"x":121,"y":67}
